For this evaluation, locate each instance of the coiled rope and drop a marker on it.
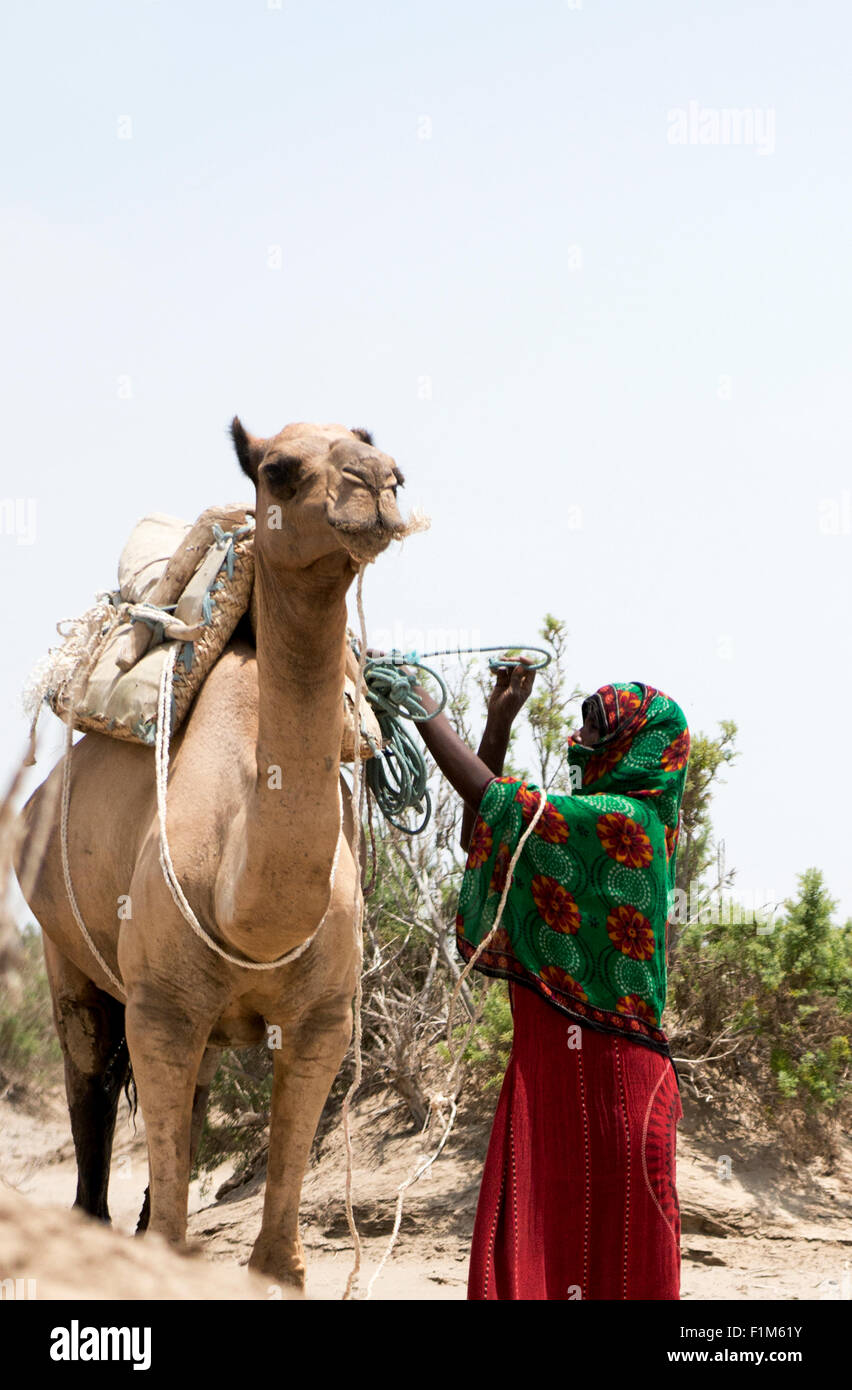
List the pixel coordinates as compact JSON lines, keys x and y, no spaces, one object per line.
{"x":397,"y":774}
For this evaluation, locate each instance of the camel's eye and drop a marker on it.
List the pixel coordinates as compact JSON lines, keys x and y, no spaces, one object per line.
{"x":282,"y":475}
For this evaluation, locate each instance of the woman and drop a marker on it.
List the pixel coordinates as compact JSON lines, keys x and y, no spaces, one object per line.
{"x":578,"y":1197}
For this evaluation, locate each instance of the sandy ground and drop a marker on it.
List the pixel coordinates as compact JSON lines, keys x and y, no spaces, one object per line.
{"x":770,"y":1230}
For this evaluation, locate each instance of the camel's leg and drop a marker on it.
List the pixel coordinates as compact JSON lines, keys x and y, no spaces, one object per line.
{"x":206,"y":1072}
{"x":166,"y":1048}
{"x":90,"y":1024}
{"x":303,"y":1071}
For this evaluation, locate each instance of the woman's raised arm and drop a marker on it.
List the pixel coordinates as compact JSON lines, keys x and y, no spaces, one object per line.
{"x":468,"y":772}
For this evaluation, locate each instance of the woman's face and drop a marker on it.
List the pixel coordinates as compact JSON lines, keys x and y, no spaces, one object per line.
{"x":590,"y":732}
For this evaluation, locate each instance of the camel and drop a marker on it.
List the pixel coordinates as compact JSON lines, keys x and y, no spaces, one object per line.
{"x":253,"y":852}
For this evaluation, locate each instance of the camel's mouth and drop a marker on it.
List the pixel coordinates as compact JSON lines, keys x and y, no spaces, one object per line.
{"x":365,"y":542}
{"x":366,"y":518}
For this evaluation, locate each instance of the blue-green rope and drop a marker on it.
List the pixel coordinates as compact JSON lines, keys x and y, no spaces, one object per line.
{"x":495,"y":662}
{"x":396,"y":774}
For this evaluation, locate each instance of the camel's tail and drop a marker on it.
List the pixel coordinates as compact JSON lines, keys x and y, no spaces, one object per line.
{"x":119,"y":1069}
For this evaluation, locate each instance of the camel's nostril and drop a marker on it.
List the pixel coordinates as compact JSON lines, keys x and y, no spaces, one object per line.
{"x":366,"y":477}
{"x":358,"y":475}
{"x":373,"y":474}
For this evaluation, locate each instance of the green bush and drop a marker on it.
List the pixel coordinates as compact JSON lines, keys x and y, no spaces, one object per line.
{"x":29,"y":1047}
{"x":821,"y":1078}
{"x":238,"y":1109}
{"x":779,"y":1002}
{"x":487,"y":1054}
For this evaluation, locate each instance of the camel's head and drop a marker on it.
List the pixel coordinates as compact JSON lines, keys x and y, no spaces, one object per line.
{"x":320,"y":489}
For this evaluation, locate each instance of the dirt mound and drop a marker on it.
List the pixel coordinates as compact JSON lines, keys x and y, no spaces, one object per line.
{"x":46,"y":1253}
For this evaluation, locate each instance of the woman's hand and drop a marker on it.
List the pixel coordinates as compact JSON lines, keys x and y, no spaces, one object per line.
{"x":512,"y":689}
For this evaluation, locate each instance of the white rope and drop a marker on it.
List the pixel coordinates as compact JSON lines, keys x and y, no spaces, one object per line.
{"x":99,"y":621}
{"x":358,"y":906}
{"x":439,"y":1101}
{"x":161,"y":760}
{"x":510,"y":873}
{"x":66,"y":868}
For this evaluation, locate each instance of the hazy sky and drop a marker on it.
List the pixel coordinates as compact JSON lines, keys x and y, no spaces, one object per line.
{"x":602,"y":324}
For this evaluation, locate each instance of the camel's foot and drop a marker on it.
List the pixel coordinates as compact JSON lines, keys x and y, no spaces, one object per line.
{"x":281,"y":1261}
{"x":170,"y":1229}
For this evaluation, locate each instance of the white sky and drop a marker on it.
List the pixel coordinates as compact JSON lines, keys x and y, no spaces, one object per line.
{"x":580,"y":296}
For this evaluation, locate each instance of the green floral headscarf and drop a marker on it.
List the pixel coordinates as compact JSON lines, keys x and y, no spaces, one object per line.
{"x":585,"y":920}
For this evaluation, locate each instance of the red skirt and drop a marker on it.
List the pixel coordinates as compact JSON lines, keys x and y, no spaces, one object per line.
{"x":578,"y":1196}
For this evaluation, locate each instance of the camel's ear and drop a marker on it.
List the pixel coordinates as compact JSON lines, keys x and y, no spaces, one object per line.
{"x":249,"y":450}
{"x":362,"y":434}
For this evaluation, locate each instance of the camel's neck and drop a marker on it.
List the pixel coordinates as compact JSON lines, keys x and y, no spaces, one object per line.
{"x":301,"y":655}
{"x":293,"y":814}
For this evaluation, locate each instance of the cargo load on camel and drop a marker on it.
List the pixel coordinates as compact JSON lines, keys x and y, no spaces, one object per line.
{"x":180,"y":586}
